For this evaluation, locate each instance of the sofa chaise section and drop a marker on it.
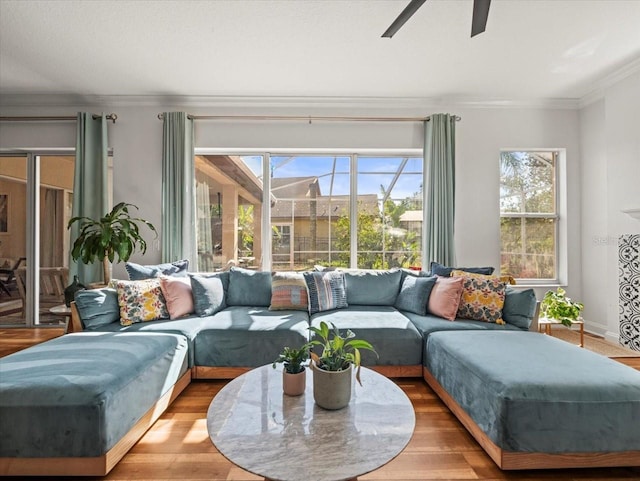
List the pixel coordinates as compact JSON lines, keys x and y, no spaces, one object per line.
{"x":533,"y":401}
{"x":76,"y":404}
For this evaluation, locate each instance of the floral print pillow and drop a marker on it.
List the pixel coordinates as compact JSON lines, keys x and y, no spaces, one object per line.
{"x":141,"y":301}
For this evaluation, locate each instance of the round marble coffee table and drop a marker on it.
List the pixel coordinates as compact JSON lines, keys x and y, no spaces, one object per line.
{"x":255,"y":426}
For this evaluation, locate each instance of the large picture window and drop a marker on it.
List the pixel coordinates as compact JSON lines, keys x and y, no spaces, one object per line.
{"x":311,"y":203}
{"x":529,"y":214}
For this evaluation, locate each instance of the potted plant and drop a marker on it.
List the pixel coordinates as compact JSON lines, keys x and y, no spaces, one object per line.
{"x":557,"y":306}
{"x":294,"y":374}
{"x":115,"y":234}
{"x":333,"y":367}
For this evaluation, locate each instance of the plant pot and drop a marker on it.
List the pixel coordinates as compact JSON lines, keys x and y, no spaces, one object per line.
{"x":294,"y":384}
{"x":332,"y":389}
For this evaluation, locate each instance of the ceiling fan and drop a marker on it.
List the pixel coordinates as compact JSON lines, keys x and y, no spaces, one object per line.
{"x":478,"y":23}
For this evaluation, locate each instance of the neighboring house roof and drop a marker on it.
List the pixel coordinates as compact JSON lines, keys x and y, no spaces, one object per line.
{"x":293,"y":187}
{"x":411,"y":216}
{"x":336,"y":206}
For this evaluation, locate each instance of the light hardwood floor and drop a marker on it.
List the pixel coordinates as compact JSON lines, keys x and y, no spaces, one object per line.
{"x":177,"y":447}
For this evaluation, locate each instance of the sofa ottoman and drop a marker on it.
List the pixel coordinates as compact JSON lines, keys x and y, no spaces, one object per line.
{"x":76,"y":404}
{"x":533,"y":401}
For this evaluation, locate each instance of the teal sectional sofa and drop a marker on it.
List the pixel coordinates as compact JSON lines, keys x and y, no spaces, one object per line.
{"x":237,"y":326}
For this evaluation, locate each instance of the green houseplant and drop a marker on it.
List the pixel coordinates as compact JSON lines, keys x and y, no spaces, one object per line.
{"x":294,"y":377}
{"x":115,"y":234}
{"x":333,"y":366}
{"x":556,"y":305}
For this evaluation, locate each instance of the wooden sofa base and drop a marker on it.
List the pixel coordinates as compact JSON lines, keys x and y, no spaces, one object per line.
{"x":99,"y":465}
{"x":509,"y":460}
{"x":201,"y":372}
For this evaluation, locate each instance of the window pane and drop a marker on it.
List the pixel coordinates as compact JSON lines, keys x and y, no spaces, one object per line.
{"x":527,"y":182}
{"x":310,"y":211}
{"x":229,"y":210}
{"x":528,"y":248}
{"x":389,"y":212}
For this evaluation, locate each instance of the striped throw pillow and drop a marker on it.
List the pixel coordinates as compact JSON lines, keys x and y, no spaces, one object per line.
{"x":326,"y":291}
{"x":288,"y":292}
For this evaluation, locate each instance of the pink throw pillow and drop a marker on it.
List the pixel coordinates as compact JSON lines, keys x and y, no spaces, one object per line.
{"x":178,"y":295}
{"x":445,"y":297}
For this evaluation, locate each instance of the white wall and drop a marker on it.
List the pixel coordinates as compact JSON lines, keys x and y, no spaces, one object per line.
{"x":610,"y":142}
{"x":136,"y":140}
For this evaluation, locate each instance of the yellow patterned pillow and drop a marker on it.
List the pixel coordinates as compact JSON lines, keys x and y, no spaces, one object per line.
{"x":482,"y":297}
{"x":141,"y":301}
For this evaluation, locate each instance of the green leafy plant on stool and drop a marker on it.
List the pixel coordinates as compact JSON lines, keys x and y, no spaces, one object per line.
{"x":115,"y":234}
{"x":556,"y":305}
{"x":338,"y":351}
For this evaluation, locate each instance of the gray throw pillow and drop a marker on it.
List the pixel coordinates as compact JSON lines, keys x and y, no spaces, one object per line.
{"x":97,"y":307}
{"x":249,"y":288}
{"x":326,"y":291}
{"x":440,"y":270}
{"x":138,"y":272}
{"x":519,"y":307}
{"x":414,"y":294}
{"x":209,"y":292}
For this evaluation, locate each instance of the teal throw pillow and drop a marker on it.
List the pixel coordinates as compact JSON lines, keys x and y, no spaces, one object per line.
{"x":138,"y":272}
{"x":519,"y":307}
{"x":97,"y":307}
{"x":249,"y":288}
{"x":440,"y":270}
{"x":209,"y":292}
{"x":414,"y":294}
{"x":369,"y":287}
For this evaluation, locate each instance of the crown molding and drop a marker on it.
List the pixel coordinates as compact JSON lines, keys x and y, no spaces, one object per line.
{"x":419,"y":104}
{"x":601,"y":86}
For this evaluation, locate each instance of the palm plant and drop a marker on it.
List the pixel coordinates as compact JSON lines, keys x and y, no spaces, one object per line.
{"x":115,"y":234}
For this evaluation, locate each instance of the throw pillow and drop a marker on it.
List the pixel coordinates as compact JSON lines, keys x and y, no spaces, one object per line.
{"x":141,"y":301}
{"x":139,"y":272}
{"x":326,"y":291}
{"x":519,"y":307}
{"x":177,"y":294}
{"x":288,"y":292}
{"x":97,"y":307}
{"x":249,"y":288}
{"x":209,"y":292}
{"x":482,"y":297}
{"x":445,"y":297}
{"x":414,"y":294}
{"x":371,"y":287}
{"x":440,"y":270}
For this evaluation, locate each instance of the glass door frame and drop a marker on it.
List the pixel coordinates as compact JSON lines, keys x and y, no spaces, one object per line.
{"x":32,"y":156}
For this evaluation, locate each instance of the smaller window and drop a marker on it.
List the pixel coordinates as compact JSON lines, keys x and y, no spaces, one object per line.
{"x":529,"y":215}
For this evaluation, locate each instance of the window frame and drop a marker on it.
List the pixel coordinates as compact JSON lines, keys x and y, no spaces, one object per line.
{"x":559,"y":215}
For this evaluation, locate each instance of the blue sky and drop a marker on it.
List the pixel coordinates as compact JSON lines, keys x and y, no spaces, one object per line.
{"x":373,"y":171}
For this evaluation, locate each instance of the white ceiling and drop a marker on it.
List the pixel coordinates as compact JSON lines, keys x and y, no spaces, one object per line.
{"x":532,"y":49}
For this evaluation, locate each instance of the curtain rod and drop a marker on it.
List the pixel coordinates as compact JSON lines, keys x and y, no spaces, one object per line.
{"x":111,"y":117}
{"x":309,"y":118}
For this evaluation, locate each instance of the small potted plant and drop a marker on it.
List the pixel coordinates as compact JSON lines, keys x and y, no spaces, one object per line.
{"x":557,"y":306}
{"x":332,"y":368}
{"x":294,"y":374}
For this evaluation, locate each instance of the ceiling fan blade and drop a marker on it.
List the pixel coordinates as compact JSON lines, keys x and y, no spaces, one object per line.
{"x":406,"y":14}
{"x":480,"y":15}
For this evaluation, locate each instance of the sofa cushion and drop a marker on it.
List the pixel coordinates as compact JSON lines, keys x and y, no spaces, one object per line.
{"x":482,"y":297}
{"x":393,"y":336}
{"x":249,"y":288}
{"x":98,"y":307}
{"x":139,"y":272}
{"x":372,"y":287}
{"x":534,"y":393}
{"x":289,"y":292}
{"x":445,"y":297}
{"x":141,"y":301}
{"x":209,"y":292}
{"x":440,"y":270}
{"x":79,"y":394}
{"x":414,"y":294}
{"x":242,"y":336}
{"x":519,"y":307}
{"x":326,"y":291}
{"x":429,"y":324}
{"x":178,"y":295}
